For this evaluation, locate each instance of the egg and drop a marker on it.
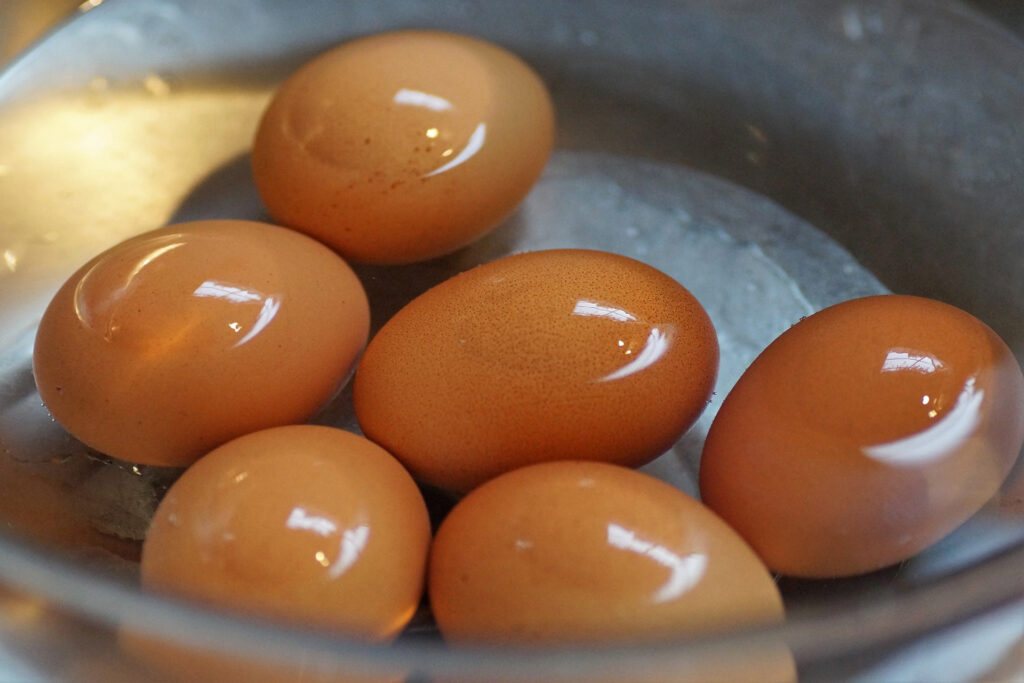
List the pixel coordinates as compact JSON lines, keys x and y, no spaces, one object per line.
{"x":403,"y":146}
{"x":303,"y":523}
{"x":574,"y":551}
{"x":178,"y":340}
{"x":864,"y":434}
{"x":548,"y":355}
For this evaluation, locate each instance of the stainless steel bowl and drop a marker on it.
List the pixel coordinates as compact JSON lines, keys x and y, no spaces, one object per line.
{"x":895,"y":129}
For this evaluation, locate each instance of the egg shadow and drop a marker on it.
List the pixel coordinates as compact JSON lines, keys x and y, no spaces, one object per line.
{"x":389,"y":288}
{"x":229,"y":192}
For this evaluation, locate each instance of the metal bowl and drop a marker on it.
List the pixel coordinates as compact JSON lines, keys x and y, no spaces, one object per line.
{"x":891,"y":129}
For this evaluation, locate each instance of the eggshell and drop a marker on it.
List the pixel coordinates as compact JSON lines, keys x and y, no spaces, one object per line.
{"x":561,"y":354}
{"x":403,"y":146}
{"x":581,"y":551}
{"x":302,"y":523}
{"x":175,"y":341}
{"x":864,"y":434}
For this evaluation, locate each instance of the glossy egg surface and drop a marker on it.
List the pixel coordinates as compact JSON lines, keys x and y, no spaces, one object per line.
{"x":175,"y":341}
{"x":548,"y":355}
{"x":403,"y":146}
{"x":577,"y":551}
{"x":303,"y":523}
{"x":863,"y":434}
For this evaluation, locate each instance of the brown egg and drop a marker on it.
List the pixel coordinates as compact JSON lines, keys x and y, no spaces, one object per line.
{"x":403,"y":146}
{"x":864,"y":434}
{"x":303,"y":523}
{"x":175,"y":341}
{"x":581,"y":551}
{"x":562,"y":354}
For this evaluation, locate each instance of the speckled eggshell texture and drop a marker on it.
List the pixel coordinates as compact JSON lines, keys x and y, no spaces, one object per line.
{"x":403,"y":146}
{"x":539,"y":356}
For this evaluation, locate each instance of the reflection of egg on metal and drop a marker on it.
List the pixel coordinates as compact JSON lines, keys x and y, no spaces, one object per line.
{"x":580,"y":551}
{"x":549,"y":355}
{"x":403,"y":146}
{"x":305,"y":523}
{"x":864,"y":434}
{"x":177,"y":340}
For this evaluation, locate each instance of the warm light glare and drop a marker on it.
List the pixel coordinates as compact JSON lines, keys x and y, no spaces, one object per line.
{"x":21,"y":610}
{"x":155,"y":85}
{"x":103,"y":133}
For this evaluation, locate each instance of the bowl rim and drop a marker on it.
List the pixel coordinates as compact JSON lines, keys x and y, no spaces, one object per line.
{"x":813,"y":633}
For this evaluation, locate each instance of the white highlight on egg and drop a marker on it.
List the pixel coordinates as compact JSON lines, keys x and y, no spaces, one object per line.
{"x":300,"y":519}
{"x":219,"y":290}
{"x":907,"y":360}
{"x":351,"y":546}
{"x":240,"y":295}
{"x":686,"y":570}
{"x":592,"y":308}
{"x":352,"y":543}
{"x":267,"y":312}
{"x":941,"y":439}
{"x":475,"y":143}
{"x":654,"y":348}
{"x":417,"y":98}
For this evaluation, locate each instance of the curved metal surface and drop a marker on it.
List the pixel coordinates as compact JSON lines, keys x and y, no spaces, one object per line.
{"x":894,"y":128}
